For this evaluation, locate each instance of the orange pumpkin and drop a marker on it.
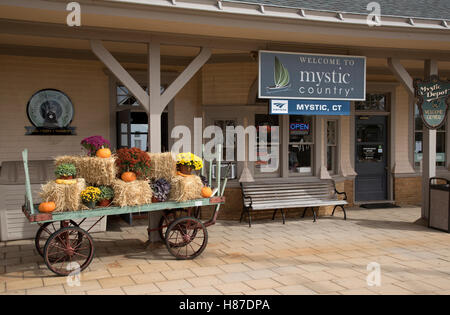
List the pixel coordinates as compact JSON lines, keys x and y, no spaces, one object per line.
{"x":103,"y":153}
{"x":128,"y":176}
{"x":47,"y":207}
{"x":206,"y":192}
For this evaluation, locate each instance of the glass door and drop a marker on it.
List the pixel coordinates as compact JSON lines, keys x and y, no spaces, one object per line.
{"x":371,"y":158}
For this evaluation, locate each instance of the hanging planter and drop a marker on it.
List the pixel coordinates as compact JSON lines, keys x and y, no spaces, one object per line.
{"x":90,"y":196}
{"x":185,"y":169}
{"x":133,"y":163}
{"x":161,"y":189}
{"x":187,"y":162}
{"x":106,"y":196}
{"x":95,"y":144}
{"x":66,"y":171}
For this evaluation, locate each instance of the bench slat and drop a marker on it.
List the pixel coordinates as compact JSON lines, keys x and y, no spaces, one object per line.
{"x":291,"y":192}
{"x":296,"y":205}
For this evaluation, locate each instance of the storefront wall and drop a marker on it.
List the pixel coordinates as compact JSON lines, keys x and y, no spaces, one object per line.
{"x":84,"y":82}
{"x":215,"y":88}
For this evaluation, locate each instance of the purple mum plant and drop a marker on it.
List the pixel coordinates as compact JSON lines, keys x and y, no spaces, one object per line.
{"x":94,"y":143}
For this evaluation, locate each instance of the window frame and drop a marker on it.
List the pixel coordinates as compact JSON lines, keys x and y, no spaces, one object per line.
{"x":312,"y":144}
{"x":335,"y":146}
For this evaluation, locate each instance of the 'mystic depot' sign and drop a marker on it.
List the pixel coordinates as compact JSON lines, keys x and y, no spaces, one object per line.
{"x":433,"y":99}
{"x":311,"y":76}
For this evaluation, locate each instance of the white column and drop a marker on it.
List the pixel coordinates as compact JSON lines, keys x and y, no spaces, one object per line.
{"x":154,"y":81}
{"x":428,"y":148}
{"x":154,"y":120}
{"x":321,"y":148}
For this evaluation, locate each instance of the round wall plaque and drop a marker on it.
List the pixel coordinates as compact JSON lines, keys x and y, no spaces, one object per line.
{"x":51,"y":109}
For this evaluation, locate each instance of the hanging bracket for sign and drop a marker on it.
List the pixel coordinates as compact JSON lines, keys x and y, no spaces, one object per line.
{"x":433,"y":100}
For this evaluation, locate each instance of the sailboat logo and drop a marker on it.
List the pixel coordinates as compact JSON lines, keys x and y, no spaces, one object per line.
{"x":281,"y":78}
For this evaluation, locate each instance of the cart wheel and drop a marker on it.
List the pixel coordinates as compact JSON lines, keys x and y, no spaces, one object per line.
{"x":68,"y":250}
{"x":168,"y":217}
{"x":186,"y":238}
{"x":44,"y":232}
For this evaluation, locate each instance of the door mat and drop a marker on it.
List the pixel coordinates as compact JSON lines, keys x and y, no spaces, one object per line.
{"x":378,"y":205}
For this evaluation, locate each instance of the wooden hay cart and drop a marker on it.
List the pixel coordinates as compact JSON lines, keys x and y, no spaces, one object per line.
{"x":66,"y":247}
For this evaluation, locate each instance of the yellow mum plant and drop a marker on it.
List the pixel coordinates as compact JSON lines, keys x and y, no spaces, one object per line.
{"x":91,"y":194}
{"x":189,"y":159}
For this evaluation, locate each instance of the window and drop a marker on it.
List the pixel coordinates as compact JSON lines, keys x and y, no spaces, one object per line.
{"x":264,"y":121}
{"x":332,"y":146}
{"x":125,"y":98}
{"x":373,"y":102}
{"x":229,"y":147}
{"x":301,"y":144}
{"x":418,"y":140}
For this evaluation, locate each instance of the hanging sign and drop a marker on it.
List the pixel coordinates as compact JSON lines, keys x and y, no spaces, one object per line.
{"x":309,"y":107}
{"x":51,"y":112}
{"x":311,"y":76}
{"x":433,"y":99}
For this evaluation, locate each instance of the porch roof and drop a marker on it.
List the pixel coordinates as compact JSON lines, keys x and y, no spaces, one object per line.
{"x":424,"y":9}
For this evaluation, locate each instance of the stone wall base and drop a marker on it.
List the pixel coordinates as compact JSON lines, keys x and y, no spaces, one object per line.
{"x":408,"y":190}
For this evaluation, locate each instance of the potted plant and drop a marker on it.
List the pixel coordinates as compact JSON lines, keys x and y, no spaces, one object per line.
{"x":161,"y":189}
{"x":97,"y":146}
{"x":187,"y":162}
{"x":65,"y":171}
{"x":106,"y":196}
{"x":90,"y":196}
{"x":133,"y":163}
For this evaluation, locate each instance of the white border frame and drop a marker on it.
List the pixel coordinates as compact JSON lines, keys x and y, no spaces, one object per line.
{"x":310,"y":98}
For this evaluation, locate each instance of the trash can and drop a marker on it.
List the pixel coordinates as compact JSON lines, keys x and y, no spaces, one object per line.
{"x":439,"y":204}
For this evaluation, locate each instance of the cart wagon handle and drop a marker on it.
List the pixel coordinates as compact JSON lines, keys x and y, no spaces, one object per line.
{"x":28,"y":195}
{"x":212,"y":221}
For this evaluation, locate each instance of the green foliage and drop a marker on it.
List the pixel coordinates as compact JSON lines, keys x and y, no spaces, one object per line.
{"x":66,"y":169}
{"x":106,"y":192}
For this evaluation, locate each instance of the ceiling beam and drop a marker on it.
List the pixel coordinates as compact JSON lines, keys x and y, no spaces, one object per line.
{"x":120,"y":73}
{"x":185,"y":76}
{"x":401,"y":74}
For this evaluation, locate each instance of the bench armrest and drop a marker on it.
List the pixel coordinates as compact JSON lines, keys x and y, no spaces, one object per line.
{"x":251,"y":200}
{"x":341,"y":193}
{"x":246,"y":197}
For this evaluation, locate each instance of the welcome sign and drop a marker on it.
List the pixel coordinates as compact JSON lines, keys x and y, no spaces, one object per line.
{"x":311,"y":76}
{"x":433,"y":99}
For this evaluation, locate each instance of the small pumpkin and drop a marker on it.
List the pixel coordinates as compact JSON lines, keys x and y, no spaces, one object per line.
{"x":47,"y":207}
{"x":103,"y":153}
{"x":128,"y":176}
{"x":206,"y":192}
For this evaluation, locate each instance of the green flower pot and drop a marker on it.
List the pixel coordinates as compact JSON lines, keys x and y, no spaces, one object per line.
{"x":90,"y":204}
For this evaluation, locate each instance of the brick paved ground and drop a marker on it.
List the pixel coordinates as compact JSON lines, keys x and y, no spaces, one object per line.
{"x":301,"y":257}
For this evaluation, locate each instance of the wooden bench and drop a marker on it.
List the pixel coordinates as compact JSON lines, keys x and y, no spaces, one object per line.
{"x":284,"y":195}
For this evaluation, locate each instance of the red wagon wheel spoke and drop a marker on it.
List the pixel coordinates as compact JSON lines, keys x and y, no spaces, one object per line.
{"x":44,"y":232}
{"x":192,"y":242}
{"x":67,"y":246}
{"x":78,"y":254}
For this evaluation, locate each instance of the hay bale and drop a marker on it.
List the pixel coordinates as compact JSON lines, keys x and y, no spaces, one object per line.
{"x":185,"y":188}
{"x":96,"y":171}
{"x":133,"y":193}
{"x":163,"y":165}
{"x":66,"y":197}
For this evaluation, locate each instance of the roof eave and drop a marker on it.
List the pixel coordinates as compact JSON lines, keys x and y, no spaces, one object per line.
{"x":280,"y":12}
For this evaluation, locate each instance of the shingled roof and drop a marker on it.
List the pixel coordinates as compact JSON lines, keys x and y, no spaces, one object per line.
{"x":428,"y":9}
